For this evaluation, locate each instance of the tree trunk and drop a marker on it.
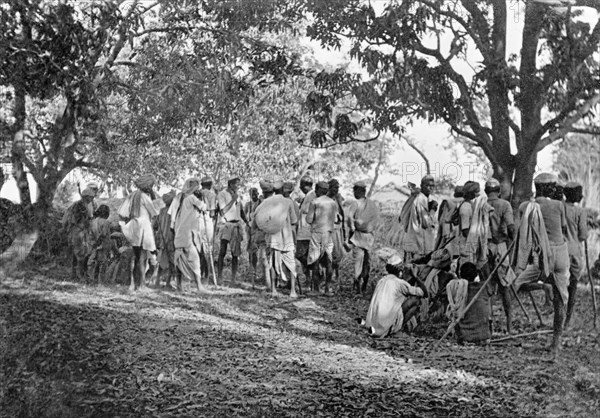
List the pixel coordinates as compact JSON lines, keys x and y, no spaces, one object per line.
{"x":523,"y":179}
{"x":46,"y":190}
{"x":18,"y":150}
{"x":504,"y":174}
{"x":377,"y":168}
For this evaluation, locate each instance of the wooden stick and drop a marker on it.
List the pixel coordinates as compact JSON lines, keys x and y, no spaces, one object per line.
{"x":520,"y":303}
{"x":527,"y":334}
{"x":587,"y":264}
{"x":537,"y":311}
{"x":462,"y":314}
{"x":209,"y":251}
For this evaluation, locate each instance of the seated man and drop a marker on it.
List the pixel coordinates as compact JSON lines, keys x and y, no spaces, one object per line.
{"x":474,"y":326}
{"x":388,"y":309}
{"x":434,"y":271}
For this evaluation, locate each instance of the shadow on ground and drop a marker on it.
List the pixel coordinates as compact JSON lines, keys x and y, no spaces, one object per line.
{"x":73,"y":350}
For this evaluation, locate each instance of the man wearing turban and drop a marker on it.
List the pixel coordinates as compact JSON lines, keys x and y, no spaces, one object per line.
{"x":276,"y":217}
{"x":164,"y":240}
{"x":388,"y":309}
{"x":209,"y":197}
{"x":542,"y":237}
{"x":303,"y":230}
{"x":577,"y":232}
{"x":502,"y":233}
{"x":321,"y":216}
{"x":136,"y":214}
{"x":474,"y":226}
{"x":186,"y":218}
{"x":417,"y":222}
{"x":363,"y":218}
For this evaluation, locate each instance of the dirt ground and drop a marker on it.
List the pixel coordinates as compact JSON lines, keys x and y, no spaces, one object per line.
{"x":71,"y":350}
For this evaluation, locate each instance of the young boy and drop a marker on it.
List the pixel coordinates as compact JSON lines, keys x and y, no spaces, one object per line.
{"x":475,"y":325}
{"x":100,"y":244}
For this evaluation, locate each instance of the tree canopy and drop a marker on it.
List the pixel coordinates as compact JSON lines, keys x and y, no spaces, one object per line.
{"x":80,"y":77}
{"x":443,"y":60}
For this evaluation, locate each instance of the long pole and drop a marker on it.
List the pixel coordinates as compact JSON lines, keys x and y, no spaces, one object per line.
{"x":209,"y":250}
{"x":587,"y":264}
{"x":461,"y":314}
{"x":514,"y":292}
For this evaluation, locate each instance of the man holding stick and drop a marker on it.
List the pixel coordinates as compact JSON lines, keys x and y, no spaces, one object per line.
{"x":209,"y":197}
{"x":541,"y":239}
{"x":502,"y":232}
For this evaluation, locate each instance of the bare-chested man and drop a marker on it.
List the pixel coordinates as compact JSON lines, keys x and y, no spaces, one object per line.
{"x":279,"y":239}
{"x":321,"y":216}
{"x":363,"y":217}
{"x":303,"y":231}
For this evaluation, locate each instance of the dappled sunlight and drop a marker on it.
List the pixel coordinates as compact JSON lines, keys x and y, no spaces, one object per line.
{"x":298,"y":335}
{"x":154,"y":352}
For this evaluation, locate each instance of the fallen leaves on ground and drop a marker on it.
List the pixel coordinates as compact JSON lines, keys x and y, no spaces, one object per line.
{"x":73,"y":350}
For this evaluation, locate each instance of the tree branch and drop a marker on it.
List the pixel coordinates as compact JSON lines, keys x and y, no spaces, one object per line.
{"x":467,"y":27}
{"x":411,"y":144}
{"x":88,"y":164}
{"x":352,"y":139}
{"x":567,"y":125}
{"x":480,"y":25}
{"x":585,"y":131}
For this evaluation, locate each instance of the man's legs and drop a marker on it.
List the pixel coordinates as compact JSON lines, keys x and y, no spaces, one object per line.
{"x":234,"y":267}
{"x":366,"y":268}
{"x":301,"y":255}
{"x":560,"y":284}
{"x":292,"y":274}
{"x":559,"y":317}
{"x":316,"y":276}
{"x":506,"y":304}
{"x":359,"y":260}
{"x":222,"y":253}
{"x":410,"y":308}
{"x":575,"y":272}
{"x":204,"y":269}
{"x":92,"y":266}
{"x":138,"y":268}
{"x":194,"y":257}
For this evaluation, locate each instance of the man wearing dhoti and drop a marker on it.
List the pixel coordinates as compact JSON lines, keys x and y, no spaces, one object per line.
{"x":363,"y":217}
{"x":136,"y":214}
{"x":187,"y":211}
{"x":417,"y":222}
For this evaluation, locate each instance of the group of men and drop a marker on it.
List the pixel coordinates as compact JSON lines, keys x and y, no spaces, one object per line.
{"x":481,"y":230}
{"x":317,"y":228}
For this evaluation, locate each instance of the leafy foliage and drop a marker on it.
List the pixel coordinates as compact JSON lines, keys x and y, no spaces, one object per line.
{"x":117,"y":76}
{"x":411,"y":52}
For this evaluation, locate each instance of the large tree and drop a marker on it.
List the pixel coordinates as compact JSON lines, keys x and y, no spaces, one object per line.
{"x":64,"y":65}
{"x":442,"y":59}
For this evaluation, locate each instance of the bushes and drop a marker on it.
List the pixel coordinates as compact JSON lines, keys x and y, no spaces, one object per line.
{"x":11,"y":216}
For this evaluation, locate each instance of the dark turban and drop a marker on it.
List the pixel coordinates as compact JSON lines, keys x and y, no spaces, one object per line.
{"x":145,"y":181}
{"x":471,"y":188}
